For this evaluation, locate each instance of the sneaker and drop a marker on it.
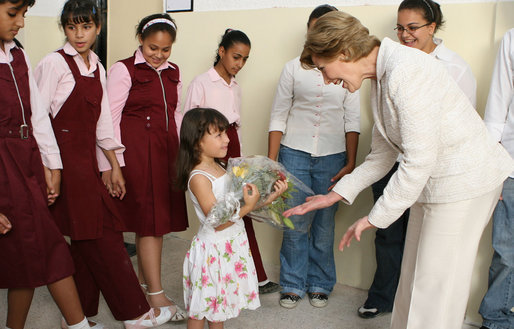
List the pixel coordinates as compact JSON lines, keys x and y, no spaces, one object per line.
{"x":269,"y":288}
{"x":289,"y":301}
{"x":368,"y":312}
{"x":318,"y":299}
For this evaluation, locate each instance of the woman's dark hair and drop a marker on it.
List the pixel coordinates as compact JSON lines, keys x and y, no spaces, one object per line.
{"x":196,"y":123}
{"x":144,"y":31}
{"x":230,"y":38}
{"x":23,"y":3}
{"x":430,"y":10}
{"x":80,"y":11}
{"x":320,"y":11}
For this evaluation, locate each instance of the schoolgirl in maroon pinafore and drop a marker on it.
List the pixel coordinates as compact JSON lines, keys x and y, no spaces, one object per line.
{"x":149,"y":133}
{"x":144,"y":92}
{"x":33,"y":251}
{"x":85,"y":211}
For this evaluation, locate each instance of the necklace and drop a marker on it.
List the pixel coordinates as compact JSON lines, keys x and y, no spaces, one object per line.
{"x":212,"y":168}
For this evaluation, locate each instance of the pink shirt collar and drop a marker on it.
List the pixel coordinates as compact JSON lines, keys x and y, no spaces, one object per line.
{"x":141,"y":59}
{"x":5,"y":55}
{"x":93,"y":58}
{"x":214,"y":76}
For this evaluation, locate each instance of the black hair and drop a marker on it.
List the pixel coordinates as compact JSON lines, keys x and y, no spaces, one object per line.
{"x":80,"y":11}
{"x":431,"y":11}
{"x":320,"y":11}
{"x":23,"y":3}
{"x":196,"y":123}
{"x":143,"y":32}
{"x":229,"y":39}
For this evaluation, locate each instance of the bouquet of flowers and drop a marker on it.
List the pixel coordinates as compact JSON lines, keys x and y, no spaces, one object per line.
{"x":263,"y":172}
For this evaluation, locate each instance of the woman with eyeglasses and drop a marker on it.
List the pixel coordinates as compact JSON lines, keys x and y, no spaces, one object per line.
{"x":450,"y":176}
{"x":416,"y":24}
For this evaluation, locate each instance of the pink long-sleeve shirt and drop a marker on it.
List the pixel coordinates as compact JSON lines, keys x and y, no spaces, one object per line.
{"x":55,"y":81}
{"x":209,"y":89}
{"x":119,"y":84}
{"x":42,"y":128}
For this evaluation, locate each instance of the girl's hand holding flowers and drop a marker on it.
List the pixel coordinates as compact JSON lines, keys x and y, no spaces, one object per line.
{"x":279,"y":188}
{"x":251,"y":196}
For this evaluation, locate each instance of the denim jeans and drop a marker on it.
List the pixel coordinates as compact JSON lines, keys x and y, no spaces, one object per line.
{"x":496,"y":307}
{"x":389,"y":244}
{"x":307,"y":254}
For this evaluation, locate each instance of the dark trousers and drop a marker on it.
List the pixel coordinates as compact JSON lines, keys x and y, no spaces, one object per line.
{"x":389,"y":244}
{"x":103,"y":265}
{"x":254,"y":249}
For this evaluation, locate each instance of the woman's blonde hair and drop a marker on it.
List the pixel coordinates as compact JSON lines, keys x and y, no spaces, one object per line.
{"x":337,"y":33}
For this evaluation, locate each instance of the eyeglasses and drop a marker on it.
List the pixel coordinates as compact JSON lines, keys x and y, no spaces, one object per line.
{"x":410,"y":29}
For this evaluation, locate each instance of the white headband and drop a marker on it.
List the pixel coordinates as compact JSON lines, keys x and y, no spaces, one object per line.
{"x":159,"y":20}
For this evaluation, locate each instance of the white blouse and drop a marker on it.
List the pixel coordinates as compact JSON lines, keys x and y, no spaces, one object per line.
{"x":499,"y":111}
{"x":314,"y":117}
{"x":459,"y":70}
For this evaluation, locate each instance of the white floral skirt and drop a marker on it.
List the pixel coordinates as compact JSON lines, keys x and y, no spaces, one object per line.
{"x":219,"y":277}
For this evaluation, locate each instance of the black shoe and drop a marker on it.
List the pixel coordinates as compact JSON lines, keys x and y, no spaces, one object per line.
{"x":131,"y":249}
{"x":318,"y":299}
{"x":369,"y":312}
{"x":289,"y":301}
{"x":483,"y":327}
{"x":269,"y":288}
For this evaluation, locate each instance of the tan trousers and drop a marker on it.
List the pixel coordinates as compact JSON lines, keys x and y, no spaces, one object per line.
{"x":440,"y":250}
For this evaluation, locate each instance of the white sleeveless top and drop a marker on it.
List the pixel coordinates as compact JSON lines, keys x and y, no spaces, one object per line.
{"x":218,"y":189}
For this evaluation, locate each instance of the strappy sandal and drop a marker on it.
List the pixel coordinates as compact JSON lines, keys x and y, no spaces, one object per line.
{"x":152,"y":321}
{"x":178,"y":313}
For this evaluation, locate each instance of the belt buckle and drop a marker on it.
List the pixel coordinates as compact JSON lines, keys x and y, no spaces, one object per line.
{"x":24,"y":131}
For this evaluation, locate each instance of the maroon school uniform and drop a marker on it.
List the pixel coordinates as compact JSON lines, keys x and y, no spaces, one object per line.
{"x":86,"y":212}
{"x":79,"y":211}
{"x":154,"y":205}
{"x":34,"y":252}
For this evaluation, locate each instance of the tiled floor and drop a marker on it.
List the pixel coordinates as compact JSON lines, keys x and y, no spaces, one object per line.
{"x":339,"y":314}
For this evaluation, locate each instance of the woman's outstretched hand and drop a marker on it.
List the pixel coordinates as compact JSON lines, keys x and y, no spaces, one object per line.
{"x":313,"y":203}
{"x":355,"y":231}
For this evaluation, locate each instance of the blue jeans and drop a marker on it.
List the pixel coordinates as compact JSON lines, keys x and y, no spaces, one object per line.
{"x":496,"y":307}
{"x":307,"y":254}
{"x":389,"y":244}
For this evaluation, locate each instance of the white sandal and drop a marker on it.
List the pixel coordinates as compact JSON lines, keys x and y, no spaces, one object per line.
{"x":153,"y":321}
{"x":178,"y":313}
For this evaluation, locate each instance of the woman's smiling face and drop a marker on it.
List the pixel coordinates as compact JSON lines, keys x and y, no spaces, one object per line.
{"x":337,"y":71}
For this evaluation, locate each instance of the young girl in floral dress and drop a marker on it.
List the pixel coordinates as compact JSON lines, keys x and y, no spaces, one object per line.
{"x":219,"y":274}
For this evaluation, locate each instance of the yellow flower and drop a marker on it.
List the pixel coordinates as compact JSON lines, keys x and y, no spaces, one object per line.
{"x":239,"y":171}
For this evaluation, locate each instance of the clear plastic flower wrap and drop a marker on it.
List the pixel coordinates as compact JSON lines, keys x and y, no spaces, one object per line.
{"x":263,"y":172}
{"x":226,"y":209}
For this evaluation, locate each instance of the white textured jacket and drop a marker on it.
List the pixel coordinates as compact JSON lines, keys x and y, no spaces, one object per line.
{"x":420,"y":112}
